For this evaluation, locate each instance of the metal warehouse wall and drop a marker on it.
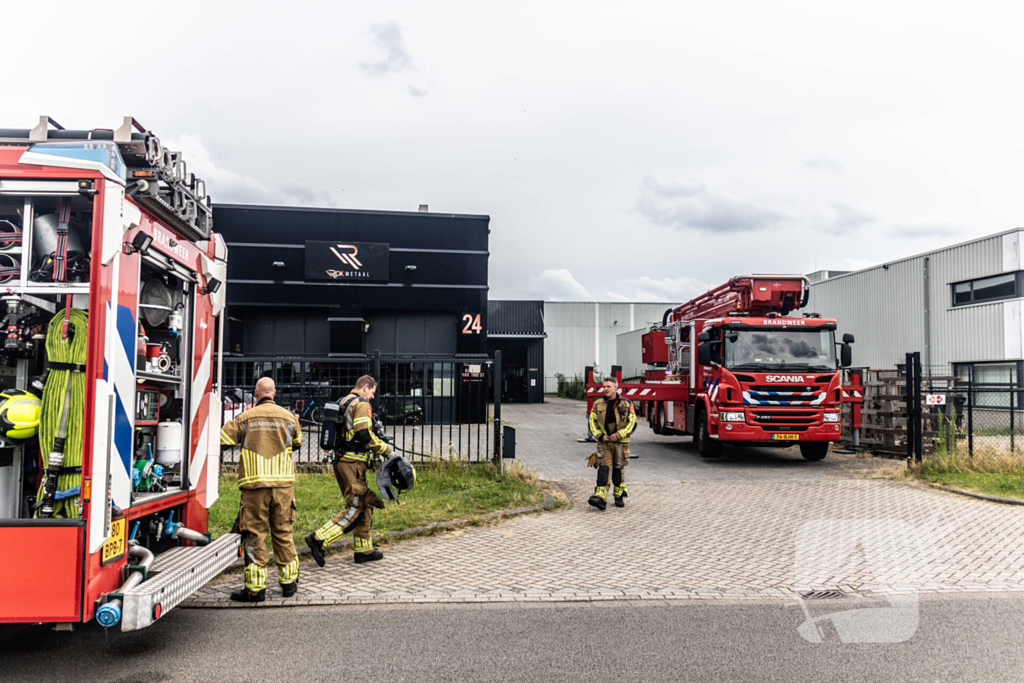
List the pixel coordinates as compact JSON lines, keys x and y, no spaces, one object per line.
{"x":584,"y":333}
{"x":630,"y":353}
{"x":884,"y":306}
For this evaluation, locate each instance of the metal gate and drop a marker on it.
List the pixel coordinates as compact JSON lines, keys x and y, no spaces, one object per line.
{"x":439,"y":407}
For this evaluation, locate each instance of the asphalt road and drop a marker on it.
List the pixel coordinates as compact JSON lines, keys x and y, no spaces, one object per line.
{"x":964,"y":637}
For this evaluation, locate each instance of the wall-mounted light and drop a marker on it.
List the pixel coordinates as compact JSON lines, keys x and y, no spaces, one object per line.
{"x":410,"y":267}
{"x":366,"y":327}
{"x":139,"y":244}
{"x":278,"y":264}
{"x":212,"y":285}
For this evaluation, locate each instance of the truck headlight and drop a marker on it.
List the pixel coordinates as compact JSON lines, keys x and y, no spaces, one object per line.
{"x":728,"y":416}
{"x":831,"y":417}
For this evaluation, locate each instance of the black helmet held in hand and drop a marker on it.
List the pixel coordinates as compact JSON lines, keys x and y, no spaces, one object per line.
{"x":394,"y":476}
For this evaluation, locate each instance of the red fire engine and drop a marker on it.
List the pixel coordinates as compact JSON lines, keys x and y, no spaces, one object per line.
{"x":733,"y":366}
{"x":112,"y":284}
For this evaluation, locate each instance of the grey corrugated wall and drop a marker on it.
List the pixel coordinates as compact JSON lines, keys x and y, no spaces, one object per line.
{"x":884,"y":307}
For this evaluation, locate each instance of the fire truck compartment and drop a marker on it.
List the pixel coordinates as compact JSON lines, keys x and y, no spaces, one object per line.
{"x":41,"y":575}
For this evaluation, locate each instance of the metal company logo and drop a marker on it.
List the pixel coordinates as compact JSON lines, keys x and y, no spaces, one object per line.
{"x":784,"y":378}
{"x":348,"y":257}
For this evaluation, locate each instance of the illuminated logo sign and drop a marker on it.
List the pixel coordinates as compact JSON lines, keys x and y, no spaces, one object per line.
{"x":783,"y":321}
{"x":347,"y":261}
{"x":784,"y":378}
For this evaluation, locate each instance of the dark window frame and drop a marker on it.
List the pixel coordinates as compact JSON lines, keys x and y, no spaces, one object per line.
{"x":1018,"y":289}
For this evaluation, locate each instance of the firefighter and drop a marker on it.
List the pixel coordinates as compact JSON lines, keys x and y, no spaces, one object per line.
{"x":612,"y":420}
{"x":357,"y":447}
{"x":267,"y":434}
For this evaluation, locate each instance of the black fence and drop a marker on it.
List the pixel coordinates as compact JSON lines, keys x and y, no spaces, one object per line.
{"x":947,"y":413}
{"x":431,"y":407}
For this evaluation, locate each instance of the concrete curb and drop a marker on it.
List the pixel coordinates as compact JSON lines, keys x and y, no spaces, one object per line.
{"x":980,"y":496}
{"x":448,"y":525}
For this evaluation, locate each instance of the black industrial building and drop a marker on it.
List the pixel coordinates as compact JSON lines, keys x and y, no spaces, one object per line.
{"x":516,"y":328}
{"x":320,"y":283}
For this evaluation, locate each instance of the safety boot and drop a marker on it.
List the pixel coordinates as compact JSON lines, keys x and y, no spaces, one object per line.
{"x":619,"y":503}
{"x":244,"y":595}
{"x":369,"y":557}
{"x":289,"y":589}
{"x":600,"y":498}
{"x":316,"y":549}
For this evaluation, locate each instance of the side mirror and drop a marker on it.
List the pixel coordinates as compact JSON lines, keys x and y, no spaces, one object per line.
{"x":845,"y":355}
{"x":847,"y":338}
{"x":668,"y":338}
{"x":703,"y":337}
{"x":733,"y":337}
{"x":704,"y":354}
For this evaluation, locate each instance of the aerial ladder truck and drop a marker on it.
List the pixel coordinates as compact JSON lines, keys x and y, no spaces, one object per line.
{"x":112,"y":282}
{"x":738,"y":366}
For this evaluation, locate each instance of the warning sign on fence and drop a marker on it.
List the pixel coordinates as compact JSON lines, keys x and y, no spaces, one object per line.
{"x":936,"y":399}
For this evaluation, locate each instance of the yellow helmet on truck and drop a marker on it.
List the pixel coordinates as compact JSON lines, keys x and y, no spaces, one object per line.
{"x":19,"y":414}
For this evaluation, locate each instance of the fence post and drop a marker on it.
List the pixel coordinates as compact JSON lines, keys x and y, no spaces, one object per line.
{"x":918,"y":410}
{"x":497,"y":410}
{"x":1013,"y":440}
{"x":970,"y":413}
{"x":378,"y":379}
{"x":909,"y":398}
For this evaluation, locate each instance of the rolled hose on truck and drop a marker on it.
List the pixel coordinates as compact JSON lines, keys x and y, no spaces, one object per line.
{"x":64,"y":391}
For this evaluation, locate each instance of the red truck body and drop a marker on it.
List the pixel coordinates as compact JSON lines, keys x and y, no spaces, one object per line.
{"x":734,"y":366}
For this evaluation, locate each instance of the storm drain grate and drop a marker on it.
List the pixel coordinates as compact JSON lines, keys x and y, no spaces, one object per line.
{"x":822,"y":595}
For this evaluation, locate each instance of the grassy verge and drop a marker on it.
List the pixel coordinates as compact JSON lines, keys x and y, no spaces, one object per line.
{"x":444,"y":491}
{"x":991,"y":473}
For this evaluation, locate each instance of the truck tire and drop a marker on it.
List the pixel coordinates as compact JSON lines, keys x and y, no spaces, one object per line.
{"x":659,"y":418}
{"x":706,"y":446}
{"x":815,"y":450}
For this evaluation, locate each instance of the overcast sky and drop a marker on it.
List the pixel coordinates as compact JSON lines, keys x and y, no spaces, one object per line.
{"x":624,"y":150}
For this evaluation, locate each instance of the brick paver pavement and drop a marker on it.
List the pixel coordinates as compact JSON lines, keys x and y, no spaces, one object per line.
{"x":755,"y":524}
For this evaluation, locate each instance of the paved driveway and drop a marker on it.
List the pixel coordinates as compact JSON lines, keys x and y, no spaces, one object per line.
{"x":755,"y":524}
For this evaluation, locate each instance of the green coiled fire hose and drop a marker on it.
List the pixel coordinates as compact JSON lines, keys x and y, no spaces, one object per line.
{"x":63,"y":353}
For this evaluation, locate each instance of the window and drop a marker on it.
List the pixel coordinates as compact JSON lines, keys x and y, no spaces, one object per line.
{"x":994,"y":288}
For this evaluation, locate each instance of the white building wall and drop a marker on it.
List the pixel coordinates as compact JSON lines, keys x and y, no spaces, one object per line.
{"x":630,"y":353}
{"x":884,"y":307}
{"x":584,"y":333}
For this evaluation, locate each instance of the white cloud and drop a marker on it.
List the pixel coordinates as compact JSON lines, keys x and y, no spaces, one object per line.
{"x":226,"y":186}
{"x":693,"y":207}
{"x":557,"y":285}
{"x":388,"y":37}
{"x":924,"y":229}
{"x":612,"y":296}
{"x":823,"y":163}
{"x":847,"y":219}
{"x":666,"y":289}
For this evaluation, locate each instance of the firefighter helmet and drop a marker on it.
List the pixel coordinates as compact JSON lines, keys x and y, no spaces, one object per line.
{"x":394,"y":476}
{"x":19,"y":414}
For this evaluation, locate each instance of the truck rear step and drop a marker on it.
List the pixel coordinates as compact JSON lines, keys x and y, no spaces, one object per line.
{"x":177,"y":574}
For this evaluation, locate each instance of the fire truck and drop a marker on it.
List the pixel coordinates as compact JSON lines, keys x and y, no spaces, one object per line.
{"x":737,"y":365}
{"x":112,"y":283}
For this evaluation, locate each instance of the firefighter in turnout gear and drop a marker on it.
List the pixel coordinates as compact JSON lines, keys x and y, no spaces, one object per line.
{"x":358,"y":445}
{"x":267,"y":434}
{"x":612,"y":420}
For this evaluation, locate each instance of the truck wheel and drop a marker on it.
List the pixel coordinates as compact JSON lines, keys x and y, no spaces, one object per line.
{"x":814,"y":451}
{"x":659,"y":419}
{"x":706,"y":446}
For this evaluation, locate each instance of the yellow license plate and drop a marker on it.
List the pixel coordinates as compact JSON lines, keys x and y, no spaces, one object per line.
{"x":115,"y":546}
{"x":785,"y":437}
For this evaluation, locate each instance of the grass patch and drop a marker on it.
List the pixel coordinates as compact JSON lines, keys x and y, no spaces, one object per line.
{"x":444,"y":491}
{"x":991,"y":471}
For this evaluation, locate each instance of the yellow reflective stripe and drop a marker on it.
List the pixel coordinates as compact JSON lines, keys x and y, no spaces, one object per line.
{"x":630,"y":426}
{"x":289,"y":573}
{"x":362,"y":545}
{"x":255,"y":577}
{"x":225,"y":439}
{"x":329,"y":533}
{"x":364,"y":457}
{"x":256,"y":468}
{"x":360,"y":419}
{"x":596,"y":428}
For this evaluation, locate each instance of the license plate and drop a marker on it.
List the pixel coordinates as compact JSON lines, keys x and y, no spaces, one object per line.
{"x":785,"y":437}
{"x":115,"y":546}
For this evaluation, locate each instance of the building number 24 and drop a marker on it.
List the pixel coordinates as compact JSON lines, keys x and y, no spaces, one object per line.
{"x":472,"y":324}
